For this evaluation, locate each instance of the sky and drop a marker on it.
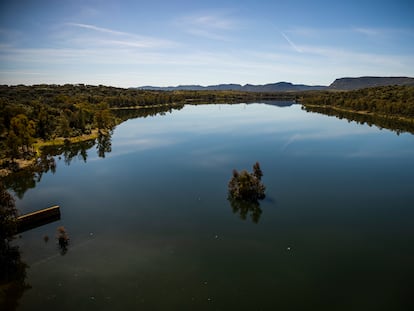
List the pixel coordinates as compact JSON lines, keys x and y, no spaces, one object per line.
{"x":168,"y":43}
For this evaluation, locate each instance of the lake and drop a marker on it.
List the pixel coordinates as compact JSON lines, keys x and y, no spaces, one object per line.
{"x":151,"y":228}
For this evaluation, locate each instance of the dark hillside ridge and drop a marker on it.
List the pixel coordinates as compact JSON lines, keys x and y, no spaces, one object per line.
{"x":272,"y":87}
{"x":343,"y":84}
{"x":364,"y":82}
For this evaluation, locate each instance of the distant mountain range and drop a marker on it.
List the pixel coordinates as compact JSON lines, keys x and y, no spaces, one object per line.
{"x":273,"y":87}
{"x":364,"y":82}
{"x":338,"y":84}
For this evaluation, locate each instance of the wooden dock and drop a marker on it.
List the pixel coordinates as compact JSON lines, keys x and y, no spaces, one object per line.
{"x":38,"y":218}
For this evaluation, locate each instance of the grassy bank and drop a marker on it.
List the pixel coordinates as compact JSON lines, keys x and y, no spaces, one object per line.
{"x":9,"y":165}
{"x":58,"y":141}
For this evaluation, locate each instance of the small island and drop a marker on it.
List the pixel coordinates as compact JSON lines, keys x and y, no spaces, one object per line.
{"x":245,"y":191}
{"x":247,"y":186}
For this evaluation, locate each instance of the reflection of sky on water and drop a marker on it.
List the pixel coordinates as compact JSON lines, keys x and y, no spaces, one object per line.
{"x":223,"y":137}
{"x":152,"y":216}
{"x":290,"y":128}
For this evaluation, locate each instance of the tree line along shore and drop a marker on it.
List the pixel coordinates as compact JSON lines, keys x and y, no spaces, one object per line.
{"x":390,"y":107}
{"x":393,"y":101}
{"x":32,"y":117}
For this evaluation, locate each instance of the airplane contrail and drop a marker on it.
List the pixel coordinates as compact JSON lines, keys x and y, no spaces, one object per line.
{"x":290,"y":42}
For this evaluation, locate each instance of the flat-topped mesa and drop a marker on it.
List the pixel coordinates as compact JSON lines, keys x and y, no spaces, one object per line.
{"x":364,"y":82}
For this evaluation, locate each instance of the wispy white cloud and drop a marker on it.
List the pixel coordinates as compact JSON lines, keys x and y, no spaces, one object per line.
{"x":181,"y":67}
{"x":113,"y":37}
{"x":354,"y":57}
{"x":303,"y":31}
{"x":24,"y":73}
{"x":212,"y":21}
{"x":100,"y":29}
{"x":338,"y":133}
{"x":367,"y":31}
{"x":206,"y":34}
{"x":213,"y":26}
{"x":387,"y":32}
{"x":331,"y":33}
{"x":159,"y":61}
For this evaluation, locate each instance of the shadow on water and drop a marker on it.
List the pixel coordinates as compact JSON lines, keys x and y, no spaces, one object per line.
{"x":63,"y":240}
{"x":104,"y":144}
{"x":244,"y":192}
{"x":279,"y":103}
{"x":12,"y":269}
{"x":245,"y":208}
{"x":12,"y":277}
{"x":144,"y":112}
{"x":22,"y":180}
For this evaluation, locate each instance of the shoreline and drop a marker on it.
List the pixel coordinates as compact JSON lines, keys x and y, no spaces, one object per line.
{"x":38,"y":145}
{"x":59,"y":141}
{"x":362,"y":112}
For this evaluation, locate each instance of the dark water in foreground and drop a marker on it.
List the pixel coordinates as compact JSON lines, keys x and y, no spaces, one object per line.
{"x":151,"y":228}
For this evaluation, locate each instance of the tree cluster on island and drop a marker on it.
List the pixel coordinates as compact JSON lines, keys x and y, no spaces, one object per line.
{"x":245,"y":190}
{"x":247,"y":186}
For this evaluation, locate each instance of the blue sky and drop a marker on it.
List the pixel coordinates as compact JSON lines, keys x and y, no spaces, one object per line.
{"x":134,"y":43}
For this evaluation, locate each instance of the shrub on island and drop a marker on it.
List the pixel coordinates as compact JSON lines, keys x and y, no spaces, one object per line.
{"x":247,"y":186}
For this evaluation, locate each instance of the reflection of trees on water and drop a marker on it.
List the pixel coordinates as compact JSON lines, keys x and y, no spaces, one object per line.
{"x":394,"y":124}
{"x":144,"y":112}
{"x":12,"y":269}
{"x":22,"y":180}
{"x":279,"y":103}
{"x":78,"y":150}
{"x":63,"y":240}
{"x":25,"y":179}
{"x":70,"y":151}
{"x":244,"y":208}
{"x":245,"y":191}
{"x":12,"y":277}
{"x":104,"y":144}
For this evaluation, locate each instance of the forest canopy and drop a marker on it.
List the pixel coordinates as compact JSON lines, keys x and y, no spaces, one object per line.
{"x":395,"y":101}
{"x":46,"y":112}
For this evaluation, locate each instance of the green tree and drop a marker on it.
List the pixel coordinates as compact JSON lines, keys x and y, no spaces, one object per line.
{"x":257,"y":172}
{"x":12,"y":144}
{"x":12,"y":269}
{"x":21,"y":130}
{"x":104,"y":119}
{"x":247,"y":186}
{"x":8,"y":214}
{"x":46,"y":123}
{"x":64,"y":127}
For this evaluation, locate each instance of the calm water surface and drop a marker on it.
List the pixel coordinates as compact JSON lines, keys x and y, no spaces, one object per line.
{"x":151,"y":228}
